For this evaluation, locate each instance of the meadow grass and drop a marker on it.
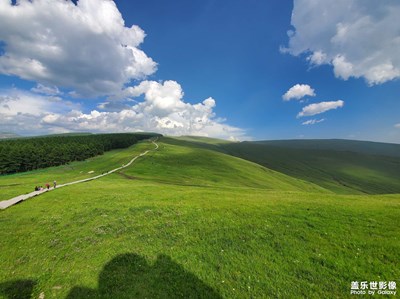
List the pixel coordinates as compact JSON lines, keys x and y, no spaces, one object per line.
{"x":185,"y":235}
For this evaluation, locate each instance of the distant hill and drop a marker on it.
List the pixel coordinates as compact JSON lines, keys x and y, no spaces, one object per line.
{"x":147,"y":134}
{"x":342,"y":166}
{"x":366,"y":147}
{"x":71,"y":134}
{"x":65,"y":134}
{"x":6,"y":135}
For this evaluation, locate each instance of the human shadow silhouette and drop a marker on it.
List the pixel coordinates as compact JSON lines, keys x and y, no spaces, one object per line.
{"x":130,"y":276}
{"x":17,"y":289}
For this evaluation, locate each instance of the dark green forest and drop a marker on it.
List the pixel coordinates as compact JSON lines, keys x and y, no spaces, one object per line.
{"x":25,"y":154}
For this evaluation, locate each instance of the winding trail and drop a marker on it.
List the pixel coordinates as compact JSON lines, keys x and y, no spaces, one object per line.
{"x":10,"y":202}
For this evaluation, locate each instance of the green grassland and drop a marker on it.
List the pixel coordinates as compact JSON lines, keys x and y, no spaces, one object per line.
{"x":346,"y":167}
{"x":187,"y":221}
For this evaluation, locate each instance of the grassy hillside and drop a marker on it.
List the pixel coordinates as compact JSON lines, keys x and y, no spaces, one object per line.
{"x":179,"y":162}
{"x":365,"y":147}
{"x":189,"y":222}
{"x":340,"y":166}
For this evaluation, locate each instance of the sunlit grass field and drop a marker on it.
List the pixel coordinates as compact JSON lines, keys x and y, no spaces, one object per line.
{"x":189,"y":222}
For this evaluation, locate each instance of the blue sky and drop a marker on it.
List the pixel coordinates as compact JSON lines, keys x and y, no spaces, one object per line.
{"x":212,"y":68}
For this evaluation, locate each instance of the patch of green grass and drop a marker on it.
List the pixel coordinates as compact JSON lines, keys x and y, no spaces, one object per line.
{"x":146,"y":232}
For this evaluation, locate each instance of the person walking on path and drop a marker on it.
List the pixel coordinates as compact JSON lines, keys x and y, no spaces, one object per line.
{"x":55,"y":184}
{"x":48,"y":186}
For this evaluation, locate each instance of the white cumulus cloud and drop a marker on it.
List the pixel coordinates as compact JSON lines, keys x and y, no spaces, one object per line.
{"x":85,"y":47}
{"x":313,"y":121}
{"x":163,"y":110}
{"x":319,"y":108}
{"x":397,"y":126}
{"x":359,"y":38}
{"x":298,"y":91}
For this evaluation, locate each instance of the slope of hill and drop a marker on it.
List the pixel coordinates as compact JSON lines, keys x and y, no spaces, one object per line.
{"x":183,"y":163}
{"x":180,"y":162}
{"x":338,"y":165}
{"x":356,"y":146}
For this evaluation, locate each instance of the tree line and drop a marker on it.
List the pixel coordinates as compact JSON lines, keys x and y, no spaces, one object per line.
{"x":25,"y":154}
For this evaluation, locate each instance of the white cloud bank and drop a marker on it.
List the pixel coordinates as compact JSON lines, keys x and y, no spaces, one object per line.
{"x":298,"y":91}
{"x":22,"y":111}
{"x":163,"y":110}
{"x":397,"y":126}
{"x":319,"y":108}
{"x":84,"y":47}
{"x":358,"y":38}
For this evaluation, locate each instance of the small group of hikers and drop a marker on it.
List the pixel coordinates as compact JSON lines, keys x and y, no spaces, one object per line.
{"x":40,"y":188}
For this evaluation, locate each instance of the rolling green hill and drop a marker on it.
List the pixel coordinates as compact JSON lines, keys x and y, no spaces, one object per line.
{"x":341,"y":166}
{"x":190,"y":221}
{"x":182,"y":163}
{"x":356,"y":146}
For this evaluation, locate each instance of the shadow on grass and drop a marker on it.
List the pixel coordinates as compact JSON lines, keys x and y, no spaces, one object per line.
{"x":130,"y":276}
{"x":21,"y":289}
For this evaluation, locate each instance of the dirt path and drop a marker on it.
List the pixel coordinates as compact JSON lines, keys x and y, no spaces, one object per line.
{"x":8,"y":203}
